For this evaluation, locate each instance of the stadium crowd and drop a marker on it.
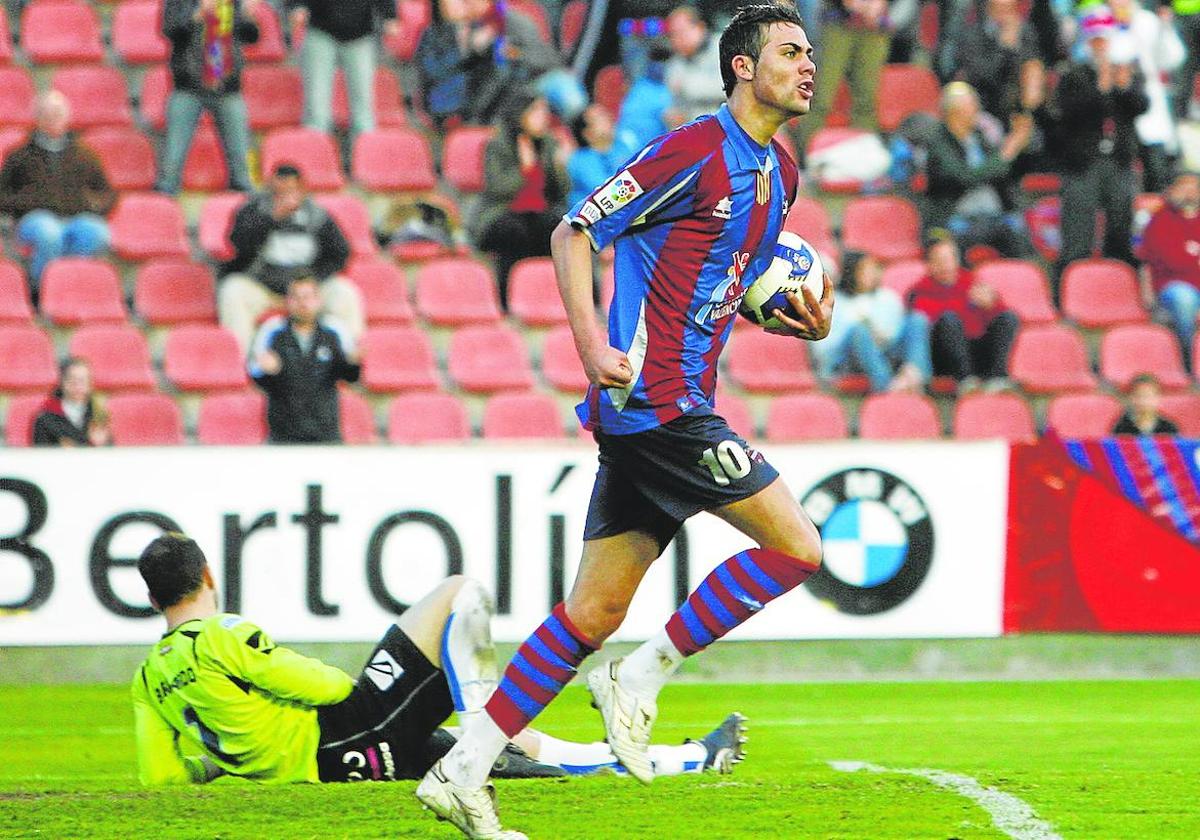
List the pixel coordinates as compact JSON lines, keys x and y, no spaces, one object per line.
{"x":1006,"y":192}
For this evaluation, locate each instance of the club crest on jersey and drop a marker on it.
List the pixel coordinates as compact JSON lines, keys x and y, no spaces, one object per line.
{"x":762,"y":187}
{"x":724,"y":208}
{"x":618,"y":192}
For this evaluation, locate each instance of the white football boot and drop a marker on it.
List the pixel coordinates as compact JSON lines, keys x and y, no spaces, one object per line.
{"x":627,"y":721}
{"x":471,"y":810}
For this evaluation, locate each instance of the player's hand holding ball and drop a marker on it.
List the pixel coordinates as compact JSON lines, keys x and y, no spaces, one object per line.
{"x":783,"y":300}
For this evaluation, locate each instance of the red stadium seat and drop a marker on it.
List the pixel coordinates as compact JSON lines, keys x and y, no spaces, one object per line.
{"x":233,"y":419}
{"x":906,"y":89}
{"x":269,"y":48}
{"x":561,"y":366}
{"x":1022,"y":288}
{"x":174,"y":291}
{"x":898,"y":417}
{"x":384,"y":290}
{"x":427,"y":418}
{"x":26,"y":359}
{"x":570,"y":26}
{"x":533,"y":293}
{"x":825,"y":139}
{"x":902,"y":275}
{"x":414,"y":16}
{"x":204,"y":358}
{"x":274,"y":96}
{"x":374,"y":162}
{"x":1083,"y":416}
{"x":145,"y":420}
{"x":352,"y":216}
{"x":357,"y":418}
{"x":126,"y":155}
{"x":809,"y":218}
{"x":81,"y":290}
{"x":118,"y":355}
{"x":98,"y":95}
{"x":1184,"y":409}
{"x":11,"y":138}
{"x":18,"y":419}
{"x":485,"y":359}
{"x":802,"y":417}
{"x":759,"y":361}
{"x":61,"y":32}
{"x":462,"y":157}
{"x":1101,"y":293}
{"x":146,"y":225}
{"x":887,"y":227}
{"x":17,"y":95}
{"x":6,"y":42}
{"x":522,"y":416}
{"x":533,"y":10}
{"x":152,"y":99}
{"x":312,"y":152}
{"x":14,"y":295}
{"x":1142,"y":348}
{"x":737,"y":414}
{"x":398,"y":359}
{"x":610,"y":88}
{"x":1050,"y":359}
{"x":456,"y":291}
{"x":205,"y":169}
{"x":986,"y":416}
{"x":389,"y":100}
{"x":216,"y":220}
{"x":136,"y":32}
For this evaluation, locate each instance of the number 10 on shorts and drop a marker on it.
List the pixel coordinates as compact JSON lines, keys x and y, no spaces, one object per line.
{"x":727,"y":461}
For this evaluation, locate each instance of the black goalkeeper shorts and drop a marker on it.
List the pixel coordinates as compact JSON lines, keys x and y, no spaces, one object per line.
{"x":384,"y":729}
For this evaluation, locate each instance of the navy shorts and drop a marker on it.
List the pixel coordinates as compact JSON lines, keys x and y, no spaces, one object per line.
{"x":653,"y":481}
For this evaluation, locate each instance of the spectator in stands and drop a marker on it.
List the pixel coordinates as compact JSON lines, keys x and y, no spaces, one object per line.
{"x":525,"y":186}
{"x":1099,"y":99}
{"x":856,"y":38}
{"x":993,"y":54}
{"x":972,"y":334}
{"x":298,"y":360}
{"x":971,"y":188}
{"x":57,"y":191}
{"x":278,"y":235}
{"x":206,"y":68}
{"x":601,"y":149}
{"x":441,"y":62}
{"x":646,"y":111}
{"x":1187,"y":18}
{"x":693,"y":72}
{"x":1142,"y":417}
{"x":873,"y":332}
{"x":341,"y":33}
{"x":1159,"y":52}
{"x":1171,"y":250}
{"x":72,"y":415}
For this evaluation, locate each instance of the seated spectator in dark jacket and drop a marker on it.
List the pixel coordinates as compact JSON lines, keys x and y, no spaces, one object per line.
{"x":970,"y":180}
{"x":993,"y":55}
{"x":56,"y":190}
{"x":601,"y":151}
{"x":298,"y":361}
{"x":971,"y":334}
{"x":206,"y":70}
{"x":278,"y":235}
{"x":1142,"y":418}
{"x":1171,"y":250}
{"x":526,"y":187}
{"x":72,"y":415}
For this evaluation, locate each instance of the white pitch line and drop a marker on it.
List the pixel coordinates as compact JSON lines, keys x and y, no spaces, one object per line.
{"x":1010,"y":814}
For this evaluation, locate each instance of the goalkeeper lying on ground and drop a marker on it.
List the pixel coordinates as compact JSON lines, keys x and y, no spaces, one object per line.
{"x":217,"y":697}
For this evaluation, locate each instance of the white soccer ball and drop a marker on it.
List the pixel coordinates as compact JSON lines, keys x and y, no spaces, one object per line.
{"x":796,"y":264}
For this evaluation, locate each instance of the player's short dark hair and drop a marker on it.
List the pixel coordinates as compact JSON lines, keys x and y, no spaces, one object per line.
{"x":1145,"y":379}
{"x":747,"y":33}
{"x":172,"y":567}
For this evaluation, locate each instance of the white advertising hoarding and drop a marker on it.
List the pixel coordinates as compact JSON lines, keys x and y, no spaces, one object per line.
{"x":327,"y":544}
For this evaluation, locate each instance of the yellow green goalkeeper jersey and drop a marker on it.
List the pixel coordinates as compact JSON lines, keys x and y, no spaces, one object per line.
{"x":219,"y":688}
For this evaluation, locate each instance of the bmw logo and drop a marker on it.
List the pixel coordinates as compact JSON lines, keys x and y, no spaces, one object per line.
{"x":877,"y":538}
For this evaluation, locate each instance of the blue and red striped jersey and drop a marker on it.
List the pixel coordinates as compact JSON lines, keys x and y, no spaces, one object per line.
{"x":694,"y":217}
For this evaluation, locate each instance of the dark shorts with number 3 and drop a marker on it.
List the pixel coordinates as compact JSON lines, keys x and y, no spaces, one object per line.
{"x":655,"y":480}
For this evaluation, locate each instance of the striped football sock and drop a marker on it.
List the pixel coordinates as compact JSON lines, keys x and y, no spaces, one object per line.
{"x":538,"y":672}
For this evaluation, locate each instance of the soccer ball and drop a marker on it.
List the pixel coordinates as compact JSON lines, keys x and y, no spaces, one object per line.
{"x":796,"y":264}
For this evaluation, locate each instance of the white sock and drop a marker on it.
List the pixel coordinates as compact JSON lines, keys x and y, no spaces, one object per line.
{"x":469,"y":762}
{"x":468,"y":656}
{"x":647,"y":669}
{"x":572,"y":756}
{"x":671,"y":761}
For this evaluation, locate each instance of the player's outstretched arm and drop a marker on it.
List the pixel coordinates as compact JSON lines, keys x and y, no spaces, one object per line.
{"x":605,"y":365}
{"x":813,"y":317}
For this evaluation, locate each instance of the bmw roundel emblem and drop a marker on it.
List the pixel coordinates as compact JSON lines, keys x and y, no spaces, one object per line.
{"x":877,"y":538}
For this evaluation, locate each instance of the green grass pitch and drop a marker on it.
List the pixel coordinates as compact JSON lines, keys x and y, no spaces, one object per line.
{"x":1105,"y":760}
